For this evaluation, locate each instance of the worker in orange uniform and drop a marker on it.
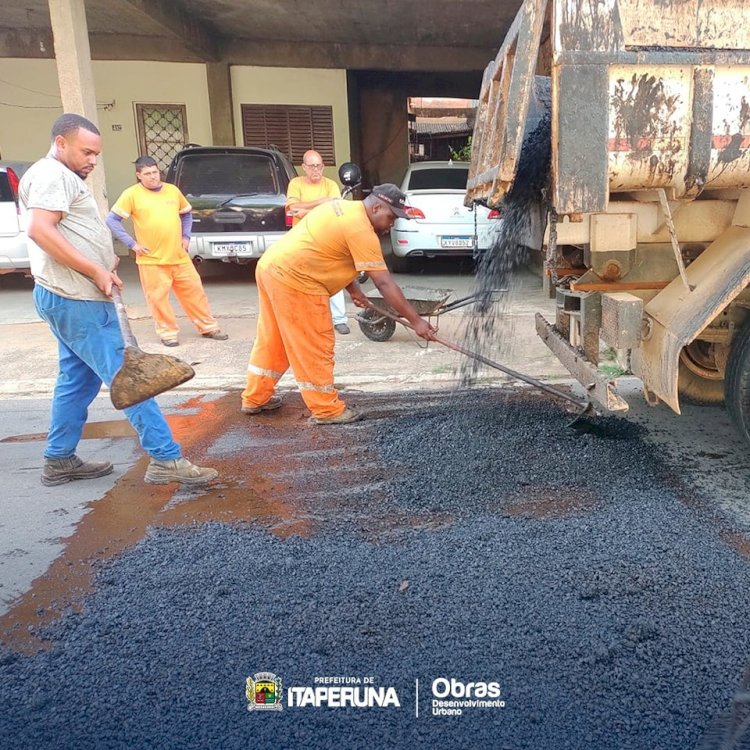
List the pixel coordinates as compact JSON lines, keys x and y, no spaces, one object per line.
{"x":318,"y":257}
{"x":163,"y":222}
{"x":302,"y":195}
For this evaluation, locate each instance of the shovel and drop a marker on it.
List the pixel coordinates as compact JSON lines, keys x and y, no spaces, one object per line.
{"x":142,"y":375}
{"x":586,"y":407}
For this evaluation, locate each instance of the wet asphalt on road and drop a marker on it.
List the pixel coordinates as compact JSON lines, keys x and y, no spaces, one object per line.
{"x":461,"y":535}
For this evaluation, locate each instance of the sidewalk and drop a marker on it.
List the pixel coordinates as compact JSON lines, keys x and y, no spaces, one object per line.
{"x":29,"y":363}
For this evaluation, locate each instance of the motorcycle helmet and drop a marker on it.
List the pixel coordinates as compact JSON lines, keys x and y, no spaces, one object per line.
{"x":350,"y":174}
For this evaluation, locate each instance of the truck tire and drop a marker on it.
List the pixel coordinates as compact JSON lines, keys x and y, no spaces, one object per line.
{"x":737,"y":382}
{"x":699,"y":380}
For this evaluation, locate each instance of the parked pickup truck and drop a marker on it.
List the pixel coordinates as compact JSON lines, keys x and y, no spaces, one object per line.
{"x":238,"y":196}
{"x":647,"y":248}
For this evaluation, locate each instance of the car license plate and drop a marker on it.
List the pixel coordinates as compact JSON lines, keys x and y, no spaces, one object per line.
{"x":456,"y":242}
{"x":232,"y":248}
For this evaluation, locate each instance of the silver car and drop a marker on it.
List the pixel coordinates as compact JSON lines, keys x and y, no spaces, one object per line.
{"x":14,"y":255}
{"x":441,"y":224}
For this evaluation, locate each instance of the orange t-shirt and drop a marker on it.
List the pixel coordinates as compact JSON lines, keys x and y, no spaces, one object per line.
{"x":301,"y":190}
{"x":326,"y":250}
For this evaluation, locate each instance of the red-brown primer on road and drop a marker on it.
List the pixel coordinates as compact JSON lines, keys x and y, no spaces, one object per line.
{"x":121,"y":518}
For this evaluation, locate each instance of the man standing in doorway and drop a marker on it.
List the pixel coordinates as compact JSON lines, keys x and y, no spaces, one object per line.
{"x":163,"y":222}
{"x":73,"y":263}
{"x":305,"y":193}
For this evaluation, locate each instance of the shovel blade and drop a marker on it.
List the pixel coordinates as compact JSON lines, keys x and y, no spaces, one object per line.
{"x":143,"y":376}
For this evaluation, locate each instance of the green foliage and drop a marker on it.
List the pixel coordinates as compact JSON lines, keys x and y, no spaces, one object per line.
{"x":464,"y":153}
{"x":609,"y":364}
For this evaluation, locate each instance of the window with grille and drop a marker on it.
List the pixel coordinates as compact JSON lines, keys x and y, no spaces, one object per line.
{"x":293,"y":129}
{"x":162,"y":131}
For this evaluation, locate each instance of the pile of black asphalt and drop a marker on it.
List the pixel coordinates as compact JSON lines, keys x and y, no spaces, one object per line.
{"x":486,"y":542}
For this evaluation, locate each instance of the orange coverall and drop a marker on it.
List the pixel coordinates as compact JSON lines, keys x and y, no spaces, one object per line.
{"x":156,"y":220}
{"x":318,"y":257}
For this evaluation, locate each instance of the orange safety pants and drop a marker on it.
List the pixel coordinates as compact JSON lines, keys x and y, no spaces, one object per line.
{"x":184,"y":281}
{"x":294,"y":329}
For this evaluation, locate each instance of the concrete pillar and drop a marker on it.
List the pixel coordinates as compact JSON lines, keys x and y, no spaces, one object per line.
{"x":75,"y":76}
{"x":355,"y":117}
{"x":385,"y":134}
{"x":220,"y":103}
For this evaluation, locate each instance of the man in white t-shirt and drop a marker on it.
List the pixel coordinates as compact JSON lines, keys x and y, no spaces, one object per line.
{"x":73,"y":263}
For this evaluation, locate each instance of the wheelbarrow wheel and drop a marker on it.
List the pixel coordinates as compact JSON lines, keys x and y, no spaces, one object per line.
{"x":375,"y":326}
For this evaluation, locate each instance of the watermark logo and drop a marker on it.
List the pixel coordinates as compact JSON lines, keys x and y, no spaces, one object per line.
{"x":263,"y":692}
{"x":343,"y":692}
{"x":453,"y":697}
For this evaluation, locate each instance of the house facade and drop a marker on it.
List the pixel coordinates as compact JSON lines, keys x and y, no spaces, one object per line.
{"x":166,"y":74}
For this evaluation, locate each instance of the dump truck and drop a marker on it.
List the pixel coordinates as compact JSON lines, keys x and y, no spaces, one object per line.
{"x":646,"y":214}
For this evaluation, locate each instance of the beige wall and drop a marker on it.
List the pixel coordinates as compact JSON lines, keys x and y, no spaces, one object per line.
{"x":256,"y":85}
{"x":31,"y":86}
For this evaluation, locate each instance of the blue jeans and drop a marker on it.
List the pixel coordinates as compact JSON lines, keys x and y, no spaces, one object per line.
{"x":91,"y":350}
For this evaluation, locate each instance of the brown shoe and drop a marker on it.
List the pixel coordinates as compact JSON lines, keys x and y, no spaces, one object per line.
{"x":273,"y":403}
{"x":178,"y":470}
{"x":349,"y":415}
{"x":216,"y":335}
{"x":61,"y":470}
{"x":170,"y":342}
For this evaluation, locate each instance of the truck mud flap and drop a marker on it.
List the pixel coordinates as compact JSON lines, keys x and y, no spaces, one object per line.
{"x":598,"y":387}
{"x":676,"y":315}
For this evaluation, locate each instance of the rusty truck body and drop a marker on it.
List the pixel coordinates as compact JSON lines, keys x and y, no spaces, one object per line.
{"x":647,"y":242}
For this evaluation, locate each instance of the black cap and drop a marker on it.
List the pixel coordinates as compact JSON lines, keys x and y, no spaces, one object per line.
{"x":395,"y":199}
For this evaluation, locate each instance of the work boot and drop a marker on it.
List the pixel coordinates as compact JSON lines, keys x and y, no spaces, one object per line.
{"x":216,"y":335}
{"x":349,"y":415}
{"x":342,"y":328}
{"x":273,"y":403}
{"x":61,"y":470}
{"x":178,"y":470}
{"x":170,"y":342}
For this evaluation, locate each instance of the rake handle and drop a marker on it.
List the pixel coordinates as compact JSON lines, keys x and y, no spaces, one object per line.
{"x":490,"y":363}
{"x":122,"y":318}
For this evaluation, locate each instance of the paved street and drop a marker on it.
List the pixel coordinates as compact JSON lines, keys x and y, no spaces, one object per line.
{"x":456,"y":535}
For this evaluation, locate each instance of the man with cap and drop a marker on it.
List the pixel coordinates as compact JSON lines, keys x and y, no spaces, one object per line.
{"x":323,"y":253}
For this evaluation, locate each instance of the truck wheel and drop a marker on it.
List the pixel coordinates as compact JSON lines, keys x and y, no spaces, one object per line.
{"x":737,"y":381}
{"x":700,"y":381}
{"x":381,"y":330}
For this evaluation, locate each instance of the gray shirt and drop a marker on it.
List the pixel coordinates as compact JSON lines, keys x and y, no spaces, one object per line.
{"x":50,"y":185}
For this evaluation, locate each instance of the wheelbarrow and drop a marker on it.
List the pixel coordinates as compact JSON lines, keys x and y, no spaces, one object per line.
{"x":430,"y":303}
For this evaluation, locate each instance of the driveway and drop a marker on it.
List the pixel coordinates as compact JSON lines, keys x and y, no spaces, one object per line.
{"x":29,"y":364}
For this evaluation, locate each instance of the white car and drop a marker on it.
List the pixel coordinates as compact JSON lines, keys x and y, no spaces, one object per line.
{"x":441,"y":224}
{"x":14,"y":255}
